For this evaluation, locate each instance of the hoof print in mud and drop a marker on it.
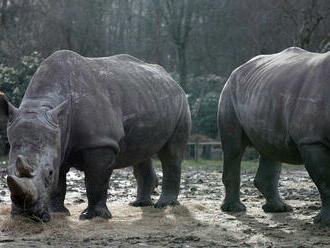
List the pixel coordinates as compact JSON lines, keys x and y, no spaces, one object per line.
{"x":233,"y":207}
{"x":88,"y":214}
{"x":163,"y":204}
{"x":137,"y":203}
{"x":277,"y":207}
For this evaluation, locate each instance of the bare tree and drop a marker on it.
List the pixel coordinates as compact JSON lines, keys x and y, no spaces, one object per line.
{"x":4,"y":5}
{"x":178,"y":16}
{"x":306,"y":17}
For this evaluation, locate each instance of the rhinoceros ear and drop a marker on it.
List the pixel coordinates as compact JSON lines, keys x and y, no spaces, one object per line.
{"x":7,"y":110}
{"x":56,"y":112}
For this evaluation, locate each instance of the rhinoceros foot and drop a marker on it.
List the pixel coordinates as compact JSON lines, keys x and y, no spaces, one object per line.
{"x":59,"y":209}
{"x":141,"y":203}
{"x":164,"y":203}
{"x":90,"y":213}
{"x":233,"y":206}
{"x":322,"y":219}
{"x":276,"y":207}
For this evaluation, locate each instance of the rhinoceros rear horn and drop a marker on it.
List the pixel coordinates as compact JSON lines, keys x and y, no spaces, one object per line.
{"x":23,"y":167}
{"x":22,"y":190}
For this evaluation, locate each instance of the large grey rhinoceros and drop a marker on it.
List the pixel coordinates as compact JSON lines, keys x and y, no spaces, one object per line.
{"x":97,"y":115}
{"x":279,"y":104}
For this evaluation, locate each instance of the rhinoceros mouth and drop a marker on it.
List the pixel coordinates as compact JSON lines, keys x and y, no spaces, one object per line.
{"x":25,"y":198}
{"x":32,"y":213}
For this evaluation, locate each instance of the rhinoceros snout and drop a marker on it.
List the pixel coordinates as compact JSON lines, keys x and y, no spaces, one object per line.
{"x":23,"y":191}
{"x":26,"y":197}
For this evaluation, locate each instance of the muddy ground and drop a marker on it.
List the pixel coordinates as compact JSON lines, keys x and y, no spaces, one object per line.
{"x":197,"y":222}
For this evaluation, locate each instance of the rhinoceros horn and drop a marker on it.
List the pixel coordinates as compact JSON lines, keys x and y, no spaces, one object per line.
{"x":22,"y":190}
{"x":23,"y":167}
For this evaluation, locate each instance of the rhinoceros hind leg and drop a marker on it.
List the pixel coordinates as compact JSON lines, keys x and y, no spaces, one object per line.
{"x":171,"y":165}
{"x":146,"y":182}
{"x":56,"y":204}
{"x":266,"y":181}
{"x":317,"y":159}
{"x":234,"y":142}
{"x":97,"y":168}
{"x":171,"y":156}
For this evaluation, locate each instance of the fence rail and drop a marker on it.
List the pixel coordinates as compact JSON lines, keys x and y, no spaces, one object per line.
{"x":212,"y":150}
{"x":206,"y":150}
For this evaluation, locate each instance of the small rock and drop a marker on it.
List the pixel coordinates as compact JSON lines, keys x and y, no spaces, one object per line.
{"x":200,"y":181}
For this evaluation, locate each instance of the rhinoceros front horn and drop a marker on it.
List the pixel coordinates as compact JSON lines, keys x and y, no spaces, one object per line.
{"x":22,"y":190}
{"x":23,"y":167}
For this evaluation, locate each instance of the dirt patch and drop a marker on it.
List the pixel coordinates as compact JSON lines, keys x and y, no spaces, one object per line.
{"x":197,"y":222}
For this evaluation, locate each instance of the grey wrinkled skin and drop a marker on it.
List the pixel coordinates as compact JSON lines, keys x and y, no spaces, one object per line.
{"x":97,"y":115}
{"x":280,"y":105}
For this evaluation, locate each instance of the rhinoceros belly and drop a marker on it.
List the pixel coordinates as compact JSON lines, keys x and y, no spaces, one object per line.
{"x":143,"y":139}
{"x":275,"y":145}
{"x":269,"y":131}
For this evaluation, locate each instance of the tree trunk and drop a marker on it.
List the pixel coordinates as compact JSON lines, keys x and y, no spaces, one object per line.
{"x":182,"y":65}
{"x":3,"y":14}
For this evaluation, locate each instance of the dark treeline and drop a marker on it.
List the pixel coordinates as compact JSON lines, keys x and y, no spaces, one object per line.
{"x":199,"y":41}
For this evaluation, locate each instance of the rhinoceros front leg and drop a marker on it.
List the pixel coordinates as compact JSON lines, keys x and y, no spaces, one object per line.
{"x":317,"y":162}
{"x":97,"y":168}
{"x":146,"y":182}
{"x":171,"y":166}
{"x":57,"y":196}
{"x":171,"y":156}
{"x":266,"y":181}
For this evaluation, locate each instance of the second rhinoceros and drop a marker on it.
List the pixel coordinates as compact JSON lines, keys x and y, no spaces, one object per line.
{"x":97,"y":115}
{"x":280,"y":104}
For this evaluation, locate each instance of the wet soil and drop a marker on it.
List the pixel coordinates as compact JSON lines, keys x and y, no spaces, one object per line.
{"x":197,"y":222}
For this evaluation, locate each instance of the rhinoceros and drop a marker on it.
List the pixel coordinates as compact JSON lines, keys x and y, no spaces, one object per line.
{"x":97,"y":115}
{"x":279,"y":104}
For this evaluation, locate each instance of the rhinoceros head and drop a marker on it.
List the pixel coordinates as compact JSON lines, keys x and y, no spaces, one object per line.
{"x":34,"y":157}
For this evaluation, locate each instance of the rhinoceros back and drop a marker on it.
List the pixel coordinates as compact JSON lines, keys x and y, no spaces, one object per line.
{"x":281,"y":100}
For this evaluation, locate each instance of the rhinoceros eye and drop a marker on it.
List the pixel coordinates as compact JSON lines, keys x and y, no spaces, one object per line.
{"x":48,"y":175}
